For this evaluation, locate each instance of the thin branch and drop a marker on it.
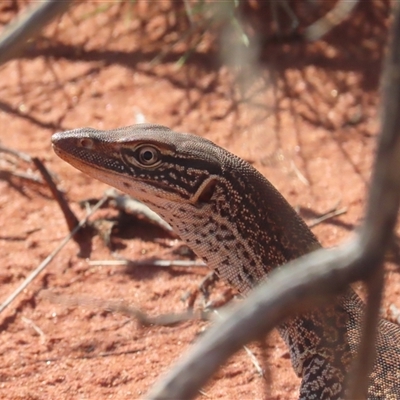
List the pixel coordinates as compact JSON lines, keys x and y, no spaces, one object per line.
{"x":383,"y":202}
{"x":381,"y":215}
{"x":341,"y":11}
{"x":130,"y":205}
{"x":8,"y":175}
{"x":130,"y":311}
{"x":149,"y":262}
{"x":18,"y":154}
{"x":364,"y":361}
{"x":327,"y":216}
{"x":70,"y":217}
{"x":48,"y":259}
{"x":27,"y":25}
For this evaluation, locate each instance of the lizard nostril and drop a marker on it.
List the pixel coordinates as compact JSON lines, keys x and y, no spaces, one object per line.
{"x":85,"y":142}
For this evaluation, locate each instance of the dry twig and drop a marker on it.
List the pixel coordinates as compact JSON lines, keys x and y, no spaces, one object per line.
{"x":27,"y":25}
{"x":48,"y":259}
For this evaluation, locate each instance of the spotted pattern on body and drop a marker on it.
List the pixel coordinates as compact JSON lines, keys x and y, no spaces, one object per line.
{"x":243,"y":228}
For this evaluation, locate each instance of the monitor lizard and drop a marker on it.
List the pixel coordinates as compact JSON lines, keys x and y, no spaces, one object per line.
{"x":242,"y":227}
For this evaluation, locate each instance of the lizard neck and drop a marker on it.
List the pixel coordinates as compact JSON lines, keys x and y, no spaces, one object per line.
{"x":239,"y":226}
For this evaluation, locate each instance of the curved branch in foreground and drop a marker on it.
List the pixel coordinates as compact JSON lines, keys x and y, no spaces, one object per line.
{"x":27,"y":25}
{"x":315,"y":278}
{"x":297,"y":287}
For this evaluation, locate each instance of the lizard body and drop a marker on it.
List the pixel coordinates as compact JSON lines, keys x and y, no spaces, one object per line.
{"x":242,"y":227}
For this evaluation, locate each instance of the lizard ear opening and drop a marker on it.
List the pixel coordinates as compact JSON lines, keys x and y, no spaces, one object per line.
{"x":205,"y":191}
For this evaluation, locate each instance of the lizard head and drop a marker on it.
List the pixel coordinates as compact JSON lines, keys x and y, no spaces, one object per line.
{"x":224,"y":209}
{"x":152,"y":163}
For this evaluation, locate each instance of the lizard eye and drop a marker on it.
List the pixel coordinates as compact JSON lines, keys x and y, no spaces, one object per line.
{"x":148,"y":155}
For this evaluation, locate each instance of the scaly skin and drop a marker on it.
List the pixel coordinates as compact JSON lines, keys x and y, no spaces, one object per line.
{"x":243,"y":228}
